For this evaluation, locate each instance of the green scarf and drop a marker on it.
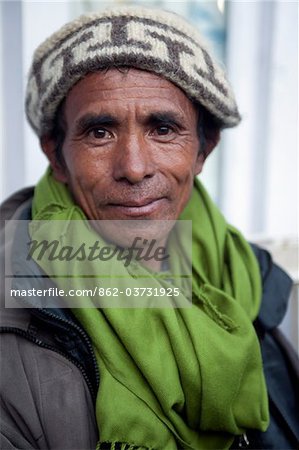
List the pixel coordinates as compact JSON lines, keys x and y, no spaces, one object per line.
{"x":176,"y":378}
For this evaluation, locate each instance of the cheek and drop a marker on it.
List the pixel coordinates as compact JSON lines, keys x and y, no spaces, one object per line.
{"x":183,"y":169}
{"x":182,"y":165}
{"x":85,"y":168}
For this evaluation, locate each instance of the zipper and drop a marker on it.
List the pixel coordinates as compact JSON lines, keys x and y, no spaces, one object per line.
{"x":243,"y":441}
{"x":42,"y":344}
{"x":45,"y":312}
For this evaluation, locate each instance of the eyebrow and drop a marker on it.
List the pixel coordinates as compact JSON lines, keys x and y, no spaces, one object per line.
{"x":95,"y":120}
{"x":90,"y":120}
{"x":165,"y":117}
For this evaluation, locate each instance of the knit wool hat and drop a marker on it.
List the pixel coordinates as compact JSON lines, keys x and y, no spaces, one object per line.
{"x":149,"y":39}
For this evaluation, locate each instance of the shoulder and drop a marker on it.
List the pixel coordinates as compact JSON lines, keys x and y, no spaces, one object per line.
{"x":280,"y":361}
{"x":53,"y":397}
{"x":11,"y":205}
{"x":40,"y":384}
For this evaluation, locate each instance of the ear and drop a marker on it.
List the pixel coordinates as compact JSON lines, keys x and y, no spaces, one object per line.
{"x":59,"y":170}
{"x":212,"y":138}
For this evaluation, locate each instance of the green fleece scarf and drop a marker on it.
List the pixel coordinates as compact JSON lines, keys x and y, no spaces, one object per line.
{"x":176,"y":378}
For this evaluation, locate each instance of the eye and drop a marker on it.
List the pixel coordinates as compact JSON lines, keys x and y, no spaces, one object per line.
{"x":100,"y":133}
{"x":163,"y":130}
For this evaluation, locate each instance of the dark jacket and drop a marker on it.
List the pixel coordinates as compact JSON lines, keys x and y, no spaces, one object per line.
{"x":49,"y":375}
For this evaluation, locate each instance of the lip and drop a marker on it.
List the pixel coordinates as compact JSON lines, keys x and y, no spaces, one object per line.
{"x":139,"y":208}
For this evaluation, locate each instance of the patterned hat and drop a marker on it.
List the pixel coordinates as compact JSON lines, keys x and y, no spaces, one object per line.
{"x":149,"y":39}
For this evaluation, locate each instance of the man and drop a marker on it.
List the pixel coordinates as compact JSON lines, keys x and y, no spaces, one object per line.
{"x":127,"y":105}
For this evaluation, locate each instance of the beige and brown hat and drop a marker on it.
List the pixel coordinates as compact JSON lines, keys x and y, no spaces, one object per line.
{"x":149,"y":39}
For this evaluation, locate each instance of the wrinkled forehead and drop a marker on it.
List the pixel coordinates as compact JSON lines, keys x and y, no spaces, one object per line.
{"x":123,"y":83}
{"x":134,"y":92}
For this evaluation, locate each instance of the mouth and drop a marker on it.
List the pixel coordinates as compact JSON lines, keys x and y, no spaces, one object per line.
{"x":138,"y":208}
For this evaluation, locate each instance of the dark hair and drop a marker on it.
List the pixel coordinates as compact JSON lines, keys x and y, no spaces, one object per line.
{"x":58,"y":132}
{"x":207,"y":126}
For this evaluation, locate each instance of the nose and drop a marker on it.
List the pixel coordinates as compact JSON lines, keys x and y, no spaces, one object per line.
{"x":133,"y":161}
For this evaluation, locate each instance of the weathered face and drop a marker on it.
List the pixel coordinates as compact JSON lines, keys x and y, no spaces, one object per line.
{"x":131,"y":149}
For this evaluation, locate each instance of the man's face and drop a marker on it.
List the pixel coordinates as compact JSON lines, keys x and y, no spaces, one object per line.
{"x":131,"y":149}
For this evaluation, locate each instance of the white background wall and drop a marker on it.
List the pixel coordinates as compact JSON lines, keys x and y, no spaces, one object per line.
{"x":260,"y":158}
